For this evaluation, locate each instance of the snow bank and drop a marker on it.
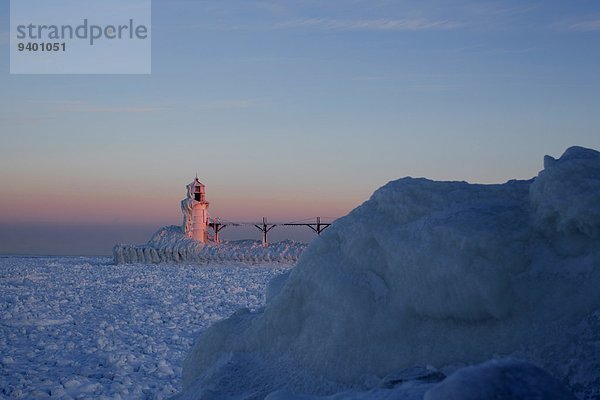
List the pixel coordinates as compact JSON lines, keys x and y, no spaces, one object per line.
{"x":427,"y":273}
{"x":508,"y":379}
{"x":171,"y":244}
{"x":500,"y":379}
{"x":566,"y":205}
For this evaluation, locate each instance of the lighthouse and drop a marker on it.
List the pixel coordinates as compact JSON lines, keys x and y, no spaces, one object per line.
{"x":195,"y":212}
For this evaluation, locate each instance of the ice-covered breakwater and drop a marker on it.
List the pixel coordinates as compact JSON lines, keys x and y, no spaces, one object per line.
{"x":170,"y":244}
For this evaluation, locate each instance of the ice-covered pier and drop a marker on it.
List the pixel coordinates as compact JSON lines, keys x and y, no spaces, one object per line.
{"x":317,"y":224}
{"x":197,"y":239}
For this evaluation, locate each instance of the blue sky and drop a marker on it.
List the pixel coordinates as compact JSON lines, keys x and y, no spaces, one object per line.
{"x":300,"y":108}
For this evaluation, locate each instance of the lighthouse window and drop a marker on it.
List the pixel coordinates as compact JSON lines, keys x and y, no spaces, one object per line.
{"x":197,"y":196}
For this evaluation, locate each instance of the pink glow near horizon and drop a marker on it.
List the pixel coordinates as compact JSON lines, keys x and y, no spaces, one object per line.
{"x":88,"y":205}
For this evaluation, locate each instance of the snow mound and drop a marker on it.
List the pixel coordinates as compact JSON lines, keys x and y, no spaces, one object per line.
{"x":500,"y":379}
{"x":567,"y":193}
{"x":170,"y":244}
{"x":426,"y":273}
{"x":507,"y":379}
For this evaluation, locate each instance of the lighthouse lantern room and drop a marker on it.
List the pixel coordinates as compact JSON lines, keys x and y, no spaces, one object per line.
{"x":195,"y":212}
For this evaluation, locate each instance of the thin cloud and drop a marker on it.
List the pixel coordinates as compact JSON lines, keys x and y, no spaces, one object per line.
{"x":590,"y":25}
{"x":57,"y":102}
{"x":19,"y":120}
{"x":76,"y":106}
{"x":381,"y":24}
{"x":82,"y":107}
{"x":131,"y":110}
{"x":225,"y":104}
{"x":366,"y":78}
{"x":513,"y":51}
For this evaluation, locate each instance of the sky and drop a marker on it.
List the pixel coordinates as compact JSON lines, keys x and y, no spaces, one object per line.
{"x":292,"y":109}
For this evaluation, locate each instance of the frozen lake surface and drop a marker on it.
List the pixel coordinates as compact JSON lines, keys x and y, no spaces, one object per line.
{"x":81,"y":327}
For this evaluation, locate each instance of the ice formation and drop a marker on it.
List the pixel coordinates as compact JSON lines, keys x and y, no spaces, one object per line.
{"x":500,"y":379}
{"x":171,"y":244}
{"x":81,"y":328}
{"x":427,"y":273}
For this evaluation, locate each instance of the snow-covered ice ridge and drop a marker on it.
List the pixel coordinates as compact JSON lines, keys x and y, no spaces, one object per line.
{"x":170,"y":244}
{"x":84,"y":328}
{"x":422,"y":279}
